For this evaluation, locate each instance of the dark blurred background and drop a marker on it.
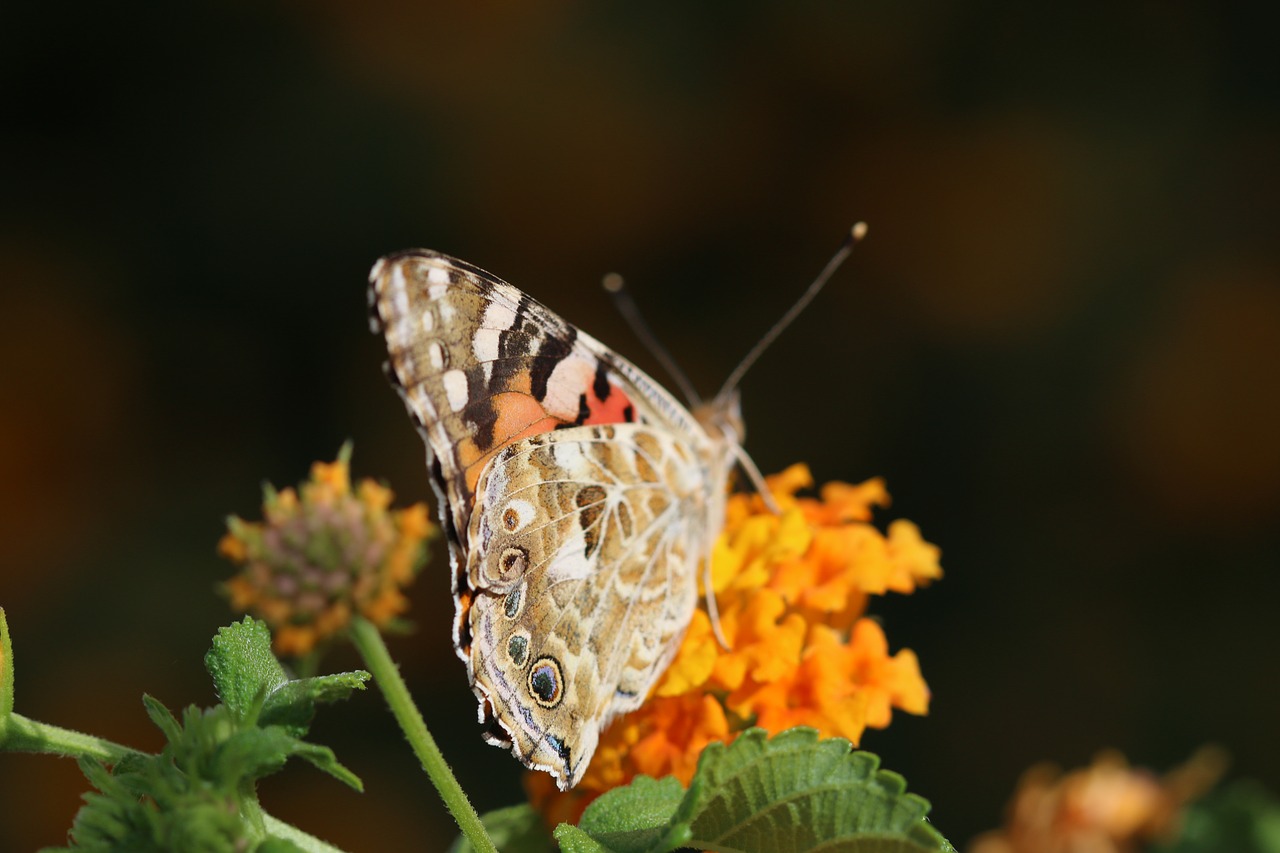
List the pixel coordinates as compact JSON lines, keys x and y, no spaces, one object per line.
{"x":1060,"y":342}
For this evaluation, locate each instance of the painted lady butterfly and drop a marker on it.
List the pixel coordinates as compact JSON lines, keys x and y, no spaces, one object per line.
{"x":579,"y":499}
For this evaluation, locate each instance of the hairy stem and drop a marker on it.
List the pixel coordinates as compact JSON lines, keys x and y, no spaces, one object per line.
{"x":387,"y":676}
{"x":20,"y":734}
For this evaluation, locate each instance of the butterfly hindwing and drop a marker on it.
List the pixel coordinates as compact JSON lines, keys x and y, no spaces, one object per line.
{"x":584,"y":583}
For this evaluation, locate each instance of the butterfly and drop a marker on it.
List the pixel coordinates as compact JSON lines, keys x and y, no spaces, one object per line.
{"x":579,"y":498}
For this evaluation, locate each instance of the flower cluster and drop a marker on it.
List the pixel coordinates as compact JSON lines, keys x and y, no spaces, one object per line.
{"x":1108,"y":807}
{"x":792,"y":590}
{"x":322,"y":553}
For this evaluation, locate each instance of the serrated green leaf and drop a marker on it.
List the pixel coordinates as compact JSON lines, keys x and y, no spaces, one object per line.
{"x":255,"y":687}
{"x":293,"y":704}
{"x":638,"y":817}
{"x":243,"y":669}
{"x":796,"y":792}
{"x":790,"y":794}
{"x":6,"y":670}
{"x":515,"y":829}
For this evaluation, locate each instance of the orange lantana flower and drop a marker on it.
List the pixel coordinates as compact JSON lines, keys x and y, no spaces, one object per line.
{"x":1108,"y":807}
{"x":323,"y":553}
{"x":792,"y":590}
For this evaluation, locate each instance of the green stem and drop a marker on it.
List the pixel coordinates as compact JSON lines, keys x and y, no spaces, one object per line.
{"x":277,"y":828}
{"x":20,"y":734}
{"x":251,"y":810}
{"x":387,"y":676}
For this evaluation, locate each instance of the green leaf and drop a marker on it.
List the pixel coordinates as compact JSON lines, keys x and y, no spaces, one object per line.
{"x":243,"y":669}
{"x":515,"y":829}
{"x":789,"y":794}
{"x":199,"y":793}
{"x":6,"y":670}
{"x":1242,"y":817}
{"x":293,"y":704}
{"x":143,"y":811}
{"x":574,"y":840}
{"x":195,"y":793}
{"x":638,"y":817}
{"x":795,"y":792}
{"x":252,"y":683}
{"x":217,"y":747}
{"x":258,"y":752}
{"x":162,"y":717}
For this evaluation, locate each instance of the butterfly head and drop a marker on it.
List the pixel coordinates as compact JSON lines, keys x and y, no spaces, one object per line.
{"x":721,"y":418}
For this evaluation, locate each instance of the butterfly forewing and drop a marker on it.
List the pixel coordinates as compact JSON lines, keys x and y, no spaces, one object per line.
{"x":481,"y":364}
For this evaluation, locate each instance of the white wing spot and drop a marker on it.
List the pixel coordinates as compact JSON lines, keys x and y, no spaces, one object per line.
{"x":438,"y":275}
{"x":570,"y":560}
{"x":570,"y":375}
{"x":428,"y":320}
{"x":485,"y":344}
{"x":569,"y":456}
{"x":516,"y":515}
{"x":435,"y":351}
{"x":498,"y":315}
{"x":455,"y":388}
{"x":399,"y":291}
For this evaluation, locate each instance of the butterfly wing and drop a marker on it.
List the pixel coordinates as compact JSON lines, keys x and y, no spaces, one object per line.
{"x":480,"y":364}
{"x":615,"y":486}
{"x":584,"y":582}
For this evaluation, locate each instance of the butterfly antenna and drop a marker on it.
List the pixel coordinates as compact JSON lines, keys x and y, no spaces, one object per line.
{"x":856,"y":233}
{"x":615,"y":287}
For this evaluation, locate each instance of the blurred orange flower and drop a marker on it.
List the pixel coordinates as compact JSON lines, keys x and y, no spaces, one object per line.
{"x":322,"y":553}
{"x":1108,"y":807}
{"x":791,"y":590}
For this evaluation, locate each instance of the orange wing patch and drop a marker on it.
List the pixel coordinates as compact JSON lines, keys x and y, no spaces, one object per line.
{"x":518,"y":416}
{"x":614,"y":408}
